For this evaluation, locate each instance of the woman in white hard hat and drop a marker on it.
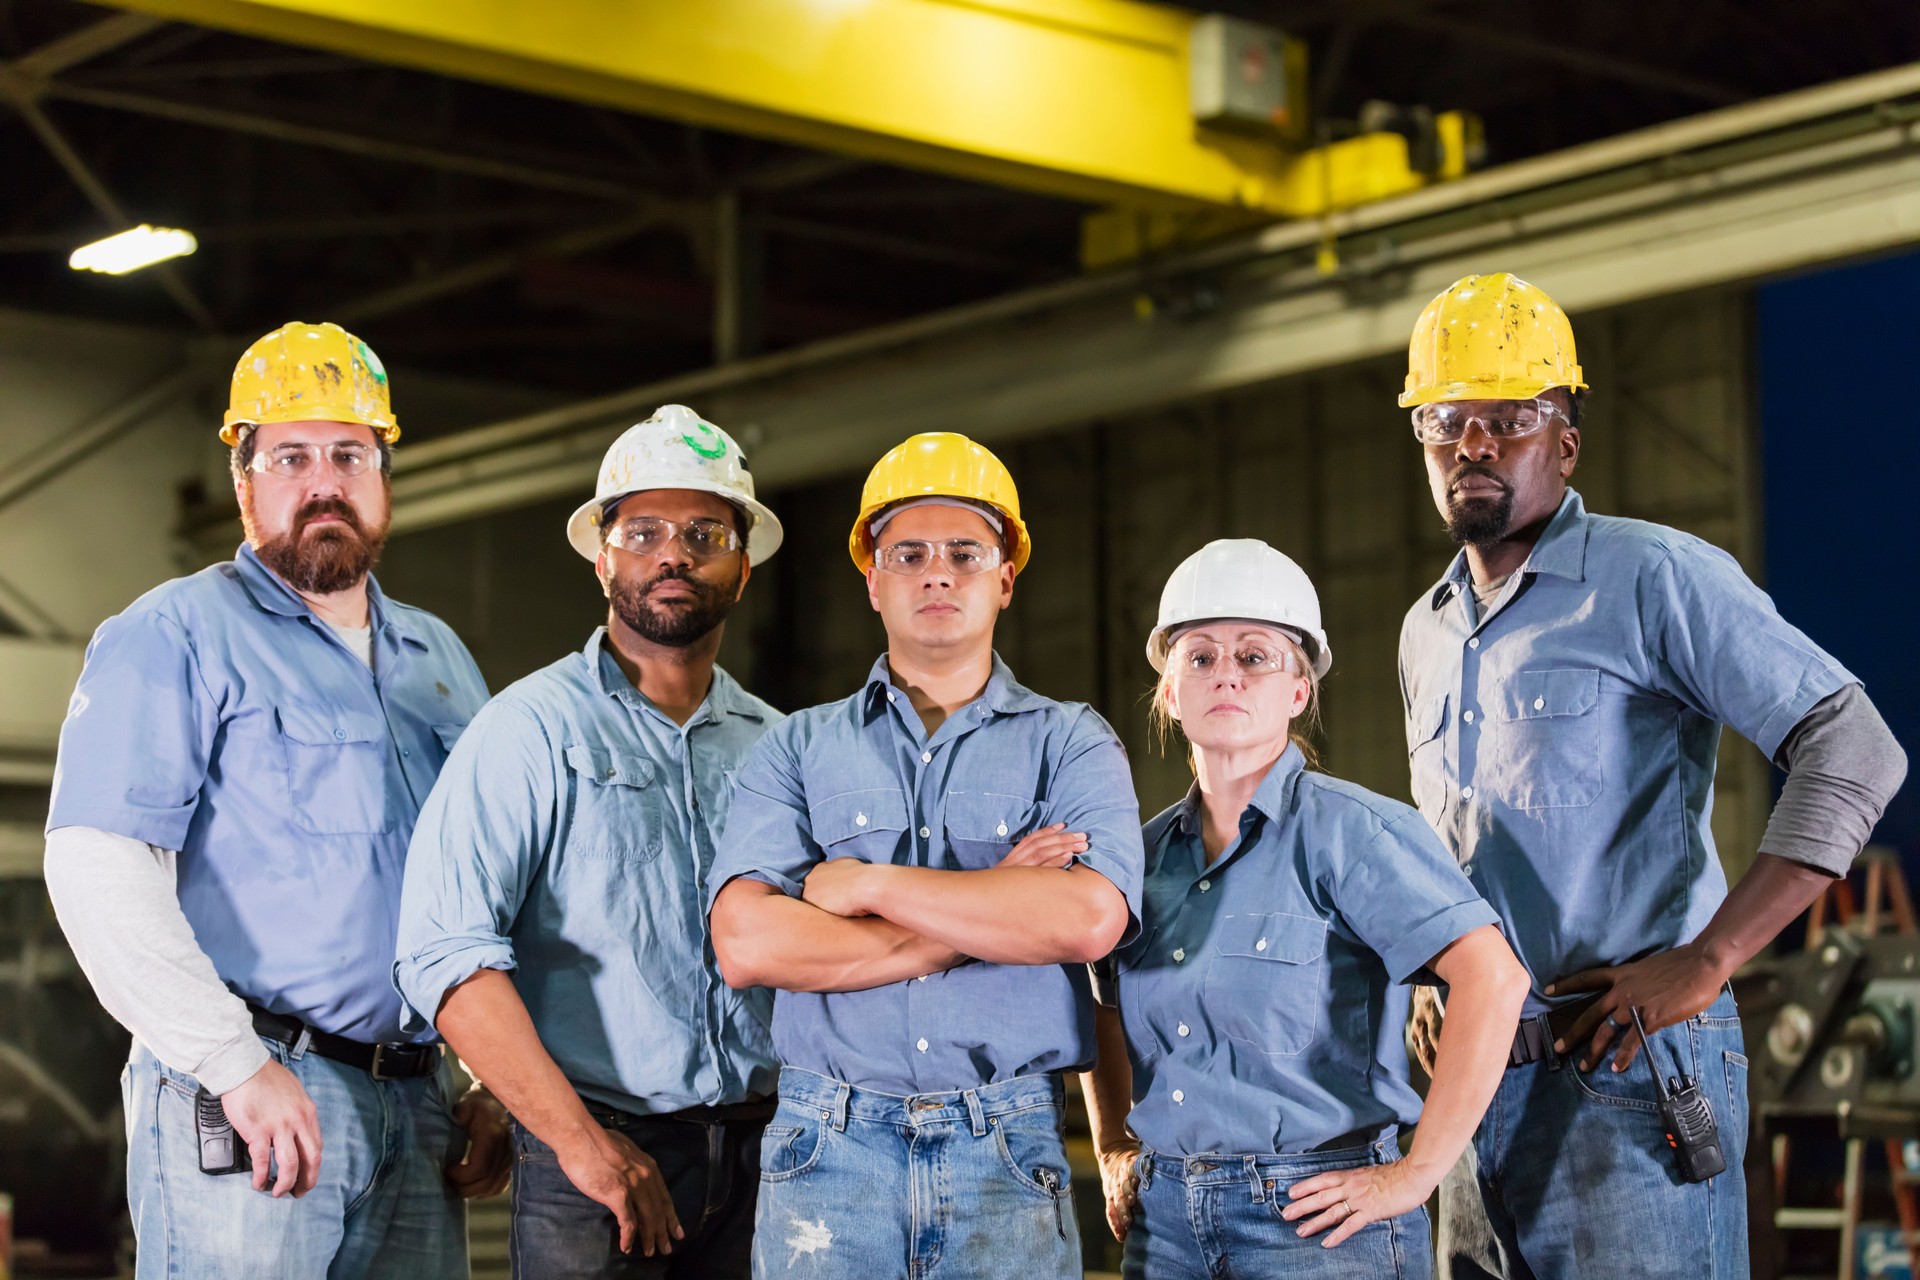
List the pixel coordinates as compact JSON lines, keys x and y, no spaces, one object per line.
{"x":1256,"y":1022}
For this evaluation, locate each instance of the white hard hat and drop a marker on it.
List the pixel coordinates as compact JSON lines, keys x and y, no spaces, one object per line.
{"x":674,"y":449}
{"x":1242,"y":579}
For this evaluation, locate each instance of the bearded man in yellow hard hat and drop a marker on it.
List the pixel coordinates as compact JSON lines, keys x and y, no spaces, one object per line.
{"x":240,"y":769}
{"x":1565,"y":685}
{"x":923,"y":870}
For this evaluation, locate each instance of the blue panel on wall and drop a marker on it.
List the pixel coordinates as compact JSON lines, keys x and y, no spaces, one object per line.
{"x":1839,"y":388}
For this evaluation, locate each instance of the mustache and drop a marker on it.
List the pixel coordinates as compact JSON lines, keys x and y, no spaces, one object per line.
{"x":1478,"y":471}
{"x":671,"y":574}
{"x":338,"y":507}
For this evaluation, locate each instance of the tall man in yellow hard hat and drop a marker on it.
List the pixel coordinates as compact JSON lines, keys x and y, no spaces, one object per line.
{"x":239,"y":771}
{"x":924,"y":870}
{"x":554,"y":923}
{"x":1565,"y":684}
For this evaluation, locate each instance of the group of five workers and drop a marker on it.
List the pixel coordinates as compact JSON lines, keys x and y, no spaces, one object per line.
{"x":798,"y":996}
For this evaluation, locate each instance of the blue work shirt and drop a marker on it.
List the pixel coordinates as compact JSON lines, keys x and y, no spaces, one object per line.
{"x":1563,"y":744}
{"x":569,"y":842}
{"x":1265,"y":1000}
{"x":863,"y":779}
{"x":220,"y":718}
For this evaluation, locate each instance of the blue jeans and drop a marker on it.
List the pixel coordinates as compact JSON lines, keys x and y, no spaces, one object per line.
{"x":382,"y":1209}
{"x":1570,"y":1174}
{"x":1217,"y":1217}
{"x":859,"y":1185}
{"x":712,"y":1172}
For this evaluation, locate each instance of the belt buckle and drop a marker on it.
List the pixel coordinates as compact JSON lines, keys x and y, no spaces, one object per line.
{"x":379,"y":1059}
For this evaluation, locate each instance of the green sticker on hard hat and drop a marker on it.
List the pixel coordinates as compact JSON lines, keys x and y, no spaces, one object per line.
{"x":716,"y":446}
{"x":372,"y":361}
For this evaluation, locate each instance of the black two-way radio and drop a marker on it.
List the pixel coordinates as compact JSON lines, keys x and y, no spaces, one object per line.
{"x":1688,"y":1116}
{"x":222,"y":1150}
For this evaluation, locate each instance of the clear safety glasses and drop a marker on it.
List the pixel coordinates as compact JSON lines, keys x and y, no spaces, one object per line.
{"x":299,"y":461}
{"x":1446,"y":423}
{"x":1205,"y":659}
{"x":649,"y":535}
{"x":912,"y":559}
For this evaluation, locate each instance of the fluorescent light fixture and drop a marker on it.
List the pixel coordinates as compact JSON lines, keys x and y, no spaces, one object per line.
{"x":131,"y":250}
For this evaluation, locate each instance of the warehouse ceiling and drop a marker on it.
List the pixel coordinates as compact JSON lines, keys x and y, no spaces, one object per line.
{"x":483,"y":232}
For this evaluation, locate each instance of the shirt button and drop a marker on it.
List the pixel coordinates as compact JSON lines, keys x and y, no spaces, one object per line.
{"x":925,"y":832}
{"x":1260,"y":945}
{"x":923,"y":977}
{"x":1000,"y":830}
{"x":1466,"y":793}
{"x":405,"y":752}
{"x":1205,"y":885}
{"x":1538,"y":703}
{"x":1179,"y":1095}
{"x":1466,"y":868}
{"x":1185,"y":1030}
{"x":1467,"y":716}
{"x":859,"y":819}
{"x":926,"y":757}
{"x":889,"y":697}
{"x":922,"y":1044}
{"x":1179,"y":954}
{"x":1473,"y":643}
{"x":340,"y":735}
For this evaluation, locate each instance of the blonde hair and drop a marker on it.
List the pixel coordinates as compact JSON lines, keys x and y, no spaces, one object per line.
{"x":1302,"y":731}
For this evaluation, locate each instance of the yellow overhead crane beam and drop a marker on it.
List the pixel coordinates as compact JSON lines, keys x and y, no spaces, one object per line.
{"x":1083,"y":99}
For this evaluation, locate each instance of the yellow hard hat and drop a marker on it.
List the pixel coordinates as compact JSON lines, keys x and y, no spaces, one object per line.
{"x":309,"y":373}
{"x":939,"y":464}
{"x":1491,"y":337}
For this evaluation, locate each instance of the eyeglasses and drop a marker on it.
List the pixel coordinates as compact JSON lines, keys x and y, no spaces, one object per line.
{"x":1446,"y":423}
{"x":299,"y":461}
{"x":964,"y":556}
{"x":1204,"y":659}
{"x":649,"y":535}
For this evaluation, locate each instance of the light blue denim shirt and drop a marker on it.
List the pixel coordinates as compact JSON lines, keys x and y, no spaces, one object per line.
{"x":1563,"y":745}
{"x":862,"y":779}
{"x":569,"y":842}
{"x":220,"y":718}
{"x":1265,"y":1000}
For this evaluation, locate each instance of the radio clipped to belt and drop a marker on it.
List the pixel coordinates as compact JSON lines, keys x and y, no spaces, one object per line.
{"x":1691,"y":1129}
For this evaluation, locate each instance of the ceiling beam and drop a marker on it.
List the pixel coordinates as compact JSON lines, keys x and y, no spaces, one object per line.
{"x":76,"y":47}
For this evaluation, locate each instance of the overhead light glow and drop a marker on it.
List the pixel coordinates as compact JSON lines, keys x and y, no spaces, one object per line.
{"x":131,"y":250}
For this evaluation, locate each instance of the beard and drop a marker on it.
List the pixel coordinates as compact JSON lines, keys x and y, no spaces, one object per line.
{"x":676,"y":623}
{"x":321,"y":561}
{"x":1478,"y":522}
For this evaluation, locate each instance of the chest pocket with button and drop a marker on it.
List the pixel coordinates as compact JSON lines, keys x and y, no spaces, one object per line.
{"x":860,"y":824}
{"x":616,"y":805}
{"x":1542,"y":747}
{"x":1427,"y":755}
{"x":1265,"y":983}
{"x":983,"y":826}
{"x":336,"y":768}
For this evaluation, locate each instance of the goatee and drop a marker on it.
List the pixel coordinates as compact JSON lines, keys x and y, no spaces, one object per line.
{"x":1478,"y":522}
{"x":676,"y":623}
{"x":320,"y":561}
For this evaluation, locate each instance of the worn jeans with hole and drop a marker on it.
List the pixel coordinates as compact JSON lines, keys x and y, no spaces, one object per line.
{"x":1570,"y":1174}
{"x":1217,"y":1217}
{"x":712,"y":1172}
{"x":970,"y":1185}
{"x":382,"y":1209}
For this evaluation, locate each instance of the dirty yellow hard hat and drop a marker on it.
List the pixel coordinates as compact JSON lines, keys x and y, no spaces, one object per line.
{"x":309,"y":373}
{"x":939,"y":464}
{"x":1489,"y":337}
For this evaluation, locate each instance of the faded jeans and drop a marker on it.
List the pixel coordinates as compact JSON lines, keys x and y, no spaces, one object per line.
{"x":967,"y":1185}
{"x":1217,"y":1217}
{"x":382,"y":1209}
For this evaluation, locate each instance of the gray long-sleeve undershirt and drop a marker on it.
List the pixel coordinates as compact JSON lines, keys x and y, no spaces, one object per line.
{"x":1843,"y":767}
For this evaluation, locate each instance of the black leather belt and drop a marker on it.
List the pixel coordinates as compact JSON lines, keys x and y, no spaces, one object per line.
{"x":1533,"y":1039}
{"x":752,"y":1111}
{"x":381,"y":1061}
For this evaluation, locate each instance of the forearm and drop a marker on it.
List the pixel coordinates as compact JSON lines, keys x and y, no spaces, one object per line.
{"x":1109,"y":1086}
{"x":1843,"y":767}
{"x":1005,"y":915}
{"x":1486,"y":989}
{"x":486,"y":1023}
{"x":120,"y":910}
{"x":763,"y":938}
{"x":1769,"y":897}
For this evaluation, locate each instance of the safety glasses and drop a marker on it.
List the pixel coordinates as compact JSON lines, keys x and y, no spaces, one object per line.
{"x":1447,"y":423}
{"x":963,"y":556}
{"x":299,"y":461}
{"x":649,"y":536}
{"x":1207,"y":659}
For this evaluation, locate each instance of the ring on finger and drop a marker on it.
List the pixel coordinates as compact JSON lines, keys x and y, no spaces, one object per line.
{"x":1349,"y":1207}
{"x":1617,"y":1026}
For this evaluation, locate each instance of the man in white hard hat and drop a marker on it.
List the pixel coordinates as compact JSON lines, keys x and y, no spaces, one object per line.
{"x":553,"y":922}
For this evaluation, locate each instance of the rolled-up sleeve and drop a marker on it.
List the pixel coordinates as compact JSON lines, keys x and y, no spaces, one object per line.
{"x":138,"y":735}
{"x":1404,"y":898}
{"x":1094,"y":793}
{"x":482,"y":836}
{"x":769,"y":835}
{"x":1725,"y":650}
